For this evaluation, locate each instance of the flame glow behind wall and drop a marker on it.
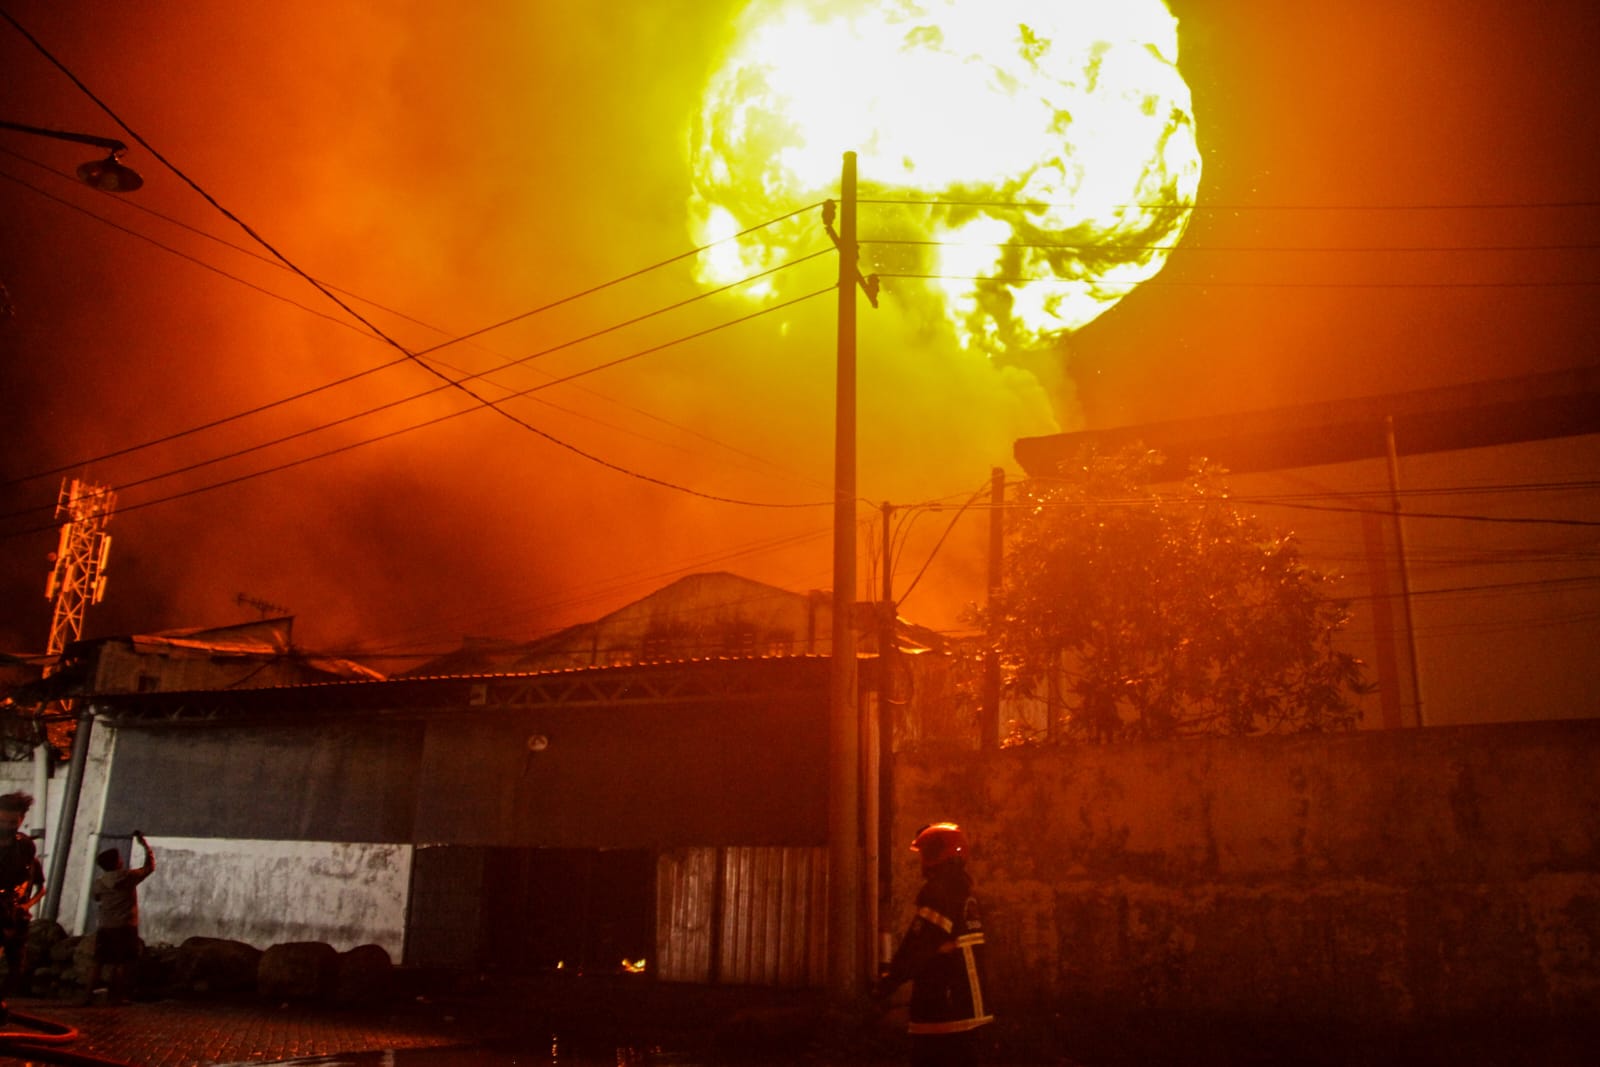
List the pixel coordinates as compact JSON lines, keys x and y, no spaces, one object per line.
{"x":1076,"y":109}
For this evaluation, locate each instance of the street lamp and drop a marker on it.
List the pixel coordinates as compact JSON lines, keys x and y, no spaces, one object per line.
{"x":109,"y":175}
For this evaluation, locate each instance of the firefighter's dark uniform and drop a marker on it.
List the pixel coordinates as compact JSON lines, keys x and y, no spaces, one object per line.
{"x":942,"y":956}
{"x":20,"y":875}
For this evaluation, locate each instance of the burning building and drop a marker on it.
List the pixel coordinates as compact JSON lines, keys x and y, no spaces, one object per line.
{"x":652,"y":783}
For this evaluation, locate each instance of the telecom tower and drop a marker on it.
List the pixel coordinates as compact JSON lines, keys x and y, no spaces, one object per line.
{"x":79,"y":578}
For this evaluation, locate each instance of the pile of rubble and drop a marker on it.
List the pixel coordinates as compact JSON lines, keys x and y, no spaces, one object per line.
{"x":58,"y":966}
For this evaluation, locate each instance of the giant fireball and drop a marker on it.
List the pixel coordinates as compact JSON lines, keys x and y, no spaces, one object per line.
{"x":1038,"y":156}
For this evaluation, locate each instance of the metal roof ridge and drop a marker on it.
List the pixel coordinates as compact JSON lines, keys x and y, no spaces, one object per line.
{"x":594,"y":668}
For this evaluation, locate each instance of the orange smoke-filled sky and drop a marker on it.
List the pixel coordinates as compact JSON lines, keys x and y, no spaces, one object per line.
{"x":1394,"y":197}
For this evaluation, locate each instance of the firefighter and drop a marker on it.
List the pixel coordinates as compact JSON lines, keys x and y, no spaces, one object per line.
{"x":941,"y":955}
{"x":21,"y":887}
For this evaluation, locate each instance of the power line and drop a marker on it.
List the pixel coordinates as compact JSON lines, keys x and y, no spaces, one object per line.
{"x":358,"y":375}
{"x":1101,"y":283}
{"x":208,"y":198}
{"x":911,"y":512}
{"x":1586,"y":485}
{"x":350,"y":446}
{"x":1583,"y":485}
{"x":512,"y":395}
{"x":1531,"y":585}
{"x":1268,"y":501}
{"x":1190,"y":246}
{"x":347,"y":325}
{"x":414,"y":357}
{"x":519,"y":362}
{"x":1043,"y":205}
{"x":181,"y":254}
{"x":940,"y":543}
{"x":347,"y":379}
{"x":907,"y":517}
{"x":1409,"y":514}
{"x":1497,"y":624}
{"x":1428,"y":559}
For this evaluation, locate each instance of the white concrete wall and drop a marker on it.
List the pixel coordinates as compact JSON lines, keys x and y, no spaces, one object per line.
{"x":260,"y":892}
{"x":273,"y":892}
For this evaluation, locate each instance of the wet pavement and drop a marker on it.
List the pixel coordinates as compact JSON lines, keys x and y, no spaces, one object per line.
{"x":694,"y":1027}
{"x":176,"y":1033}
{"x":509,"y":1026}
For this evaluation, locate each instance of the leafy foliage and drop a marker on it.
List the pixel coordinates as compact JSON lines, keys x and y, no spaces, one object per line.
{"x":1167,"y":612}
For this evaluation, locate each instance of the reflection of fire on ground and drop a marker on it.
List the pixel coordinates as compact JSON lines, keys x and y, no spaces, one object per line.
{"x":1055,"y":138}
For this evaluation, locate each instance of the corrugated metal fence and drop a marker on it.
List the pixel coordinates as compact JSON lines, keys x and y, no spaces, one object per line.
{"x":742,"y":916}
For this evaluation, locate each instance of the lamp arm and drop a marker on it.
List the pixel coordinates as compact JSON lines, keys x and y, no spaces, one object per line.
{"x":64,"y":135}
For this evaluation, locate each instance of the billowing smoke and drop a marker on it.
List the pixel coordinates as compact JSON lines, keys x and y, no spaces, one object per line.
{"x":460,"y":165}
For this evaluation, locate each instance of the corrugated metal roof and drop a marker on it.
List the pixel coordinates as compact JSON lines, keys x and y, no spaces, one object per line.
{"x":498,"y":676}
{"x":670,"y":681}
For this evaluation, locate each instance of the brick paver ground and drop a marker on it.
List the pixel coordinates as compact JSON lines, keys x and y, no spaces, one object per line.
{"x":203,"y":1033}
{"x":175,"y":1033}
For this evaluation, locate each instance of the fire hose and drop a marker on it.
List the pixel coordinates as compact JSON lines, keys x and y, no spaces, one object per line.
{"x":43,"y":1040}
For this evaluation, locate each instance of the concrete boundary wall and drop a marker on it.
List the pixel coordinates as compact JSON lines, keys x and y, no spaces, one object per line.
{"x":1370,"y":877}
{"x":264,"y":892}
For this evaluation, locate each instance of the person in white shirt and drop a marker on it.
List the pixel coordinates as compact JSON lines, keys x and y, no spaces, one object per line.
{"x":116,"y":938}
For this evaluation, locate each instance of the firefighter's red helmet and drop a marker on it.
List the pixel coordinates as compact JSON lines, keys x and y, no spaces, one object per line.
{"x":938,"y":842}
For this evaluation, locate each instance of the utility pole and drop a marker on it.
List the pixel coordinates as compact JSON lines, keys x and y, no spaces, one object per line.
{"x":880,"y":787}
{"x":844,"y":737}
{"x":989,"y":729}
{"x":847,"y":834}
{"x":1405,"y":566}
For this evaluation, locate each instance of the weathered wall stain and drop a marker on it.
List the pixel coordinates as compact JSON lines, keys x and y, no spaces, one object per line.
{"x":1371,"y":877}
{"x":275,"y":892}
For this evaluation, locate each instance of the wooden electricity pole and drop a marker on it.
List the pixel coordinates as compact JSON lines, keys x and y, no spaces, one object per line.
{"x":989,"y":728}
{"x":845,"y":970}
{"x":848,"y":836}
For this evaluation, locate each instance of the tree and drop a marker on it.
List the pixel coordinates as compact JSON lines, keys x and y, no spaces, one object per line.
{"x":1166,"y":612}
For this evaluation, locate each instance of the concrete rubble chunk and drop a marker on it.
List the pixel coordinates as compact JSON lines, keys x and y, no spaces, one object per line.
{"x":365,"y":975}
{"x":298,"y":970}
{"x":217,"y":965}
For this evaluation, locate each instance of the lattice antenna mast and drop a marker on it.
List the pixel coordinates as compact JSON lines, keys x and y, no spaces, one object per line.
{"x":79,"y":577}
{"x":265,"y":607}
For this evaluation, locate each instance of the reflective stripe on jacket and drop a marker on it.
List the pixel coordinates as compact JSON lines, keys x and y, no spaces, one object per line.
{"x":942,"y":955}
